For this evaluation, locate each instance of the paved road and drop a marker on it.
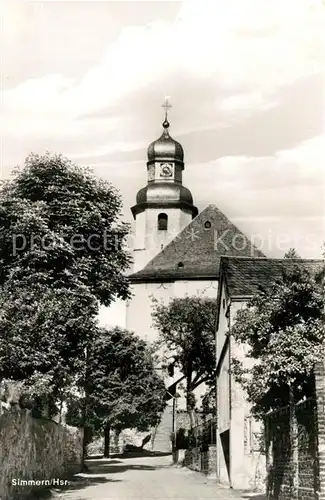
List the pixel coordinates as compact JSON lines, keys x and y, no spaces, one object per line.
{"x":145,"y":478}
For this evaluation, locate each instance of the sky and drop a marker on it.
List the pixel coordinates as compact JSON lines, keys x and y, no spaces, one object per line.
{"x":246,"y":79}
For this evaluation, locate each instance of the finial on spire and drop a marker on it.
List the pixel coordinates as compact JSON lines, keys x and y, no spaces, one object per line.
{"x":166,"y":106}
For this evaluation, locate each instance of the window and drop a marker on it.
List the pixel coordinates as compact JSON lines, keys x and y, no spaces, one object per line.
{"x":207,"y":224}
{"x":170,"y":369}
{"x":180,"y":265}
{"x":162,"y":222}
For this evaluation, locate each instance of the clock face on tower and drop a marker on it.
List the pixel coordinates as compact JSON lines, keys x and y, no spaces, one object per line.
{"x":166,"y":170}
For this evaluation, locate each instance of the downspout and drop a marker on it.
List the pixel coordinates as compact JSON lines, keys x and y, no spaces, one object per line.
{"x":229,"y":395}
{"x":218,"y":450}
{"x":217,"y":433}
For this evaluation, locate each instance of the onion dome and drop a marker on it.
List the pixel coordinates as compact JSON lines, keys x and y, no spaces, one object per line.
{"x":165,"y":147}
{"x":164,"y":193}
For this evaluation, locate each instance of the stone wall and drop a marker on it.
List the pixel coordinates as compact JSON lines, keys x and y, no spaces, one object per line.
{"x":201,"y":461}
{"x":209,"y":461}
{"x":306,"y":453}
{"x":35,"y":449}
{"x":320,"y":417}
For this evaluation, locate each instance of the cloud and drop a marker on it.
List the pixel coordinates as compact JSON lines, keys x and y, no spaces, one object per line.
{"x":258,"y":45}
{"x":276,"y":195}
{"x":247,"y":102}
{"x":246,"y":89}
{"x":111,"y":149}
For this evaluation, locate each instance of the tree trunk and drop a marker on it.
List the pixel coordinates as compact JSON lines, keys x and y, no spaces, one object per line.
{"x":268,"y":459}
{"x":293,"y":437}
{"x":107,"y":432}
{"x":190,"y":409}
{"x":189,"y":394}
{"x":174,"y":423}
{"x":84,"y":467}
{"x":117,"y":433}
{"x":61,"y":409}
{"x":191,"y":413}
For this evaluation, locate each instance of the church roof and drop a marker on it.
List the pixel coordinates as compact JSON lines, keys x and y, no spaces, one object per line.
{"x":196,"y":251}
{"x":244,"y":276}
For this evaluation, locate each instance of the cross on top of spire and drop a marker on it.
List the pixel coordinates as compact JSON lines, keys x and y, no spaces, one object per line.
{"x":166,"y":106}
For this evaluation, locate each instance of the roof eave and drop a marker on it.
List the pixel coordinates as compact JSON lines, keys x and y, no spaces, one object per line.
{"x":240,"y":298}
{"x":155,"y":278}
{"x":141,"y":207}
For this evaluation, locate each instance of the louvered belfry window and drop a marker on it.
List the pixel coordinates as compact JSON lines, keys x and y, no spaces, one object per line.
{"x":162,"y":222}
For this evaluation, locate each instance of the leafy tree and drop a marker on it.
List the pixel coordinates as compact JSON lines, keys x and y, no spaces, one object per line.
{"x":43,"y":336}
{"x":123,"y":390}
{"x":61,"y":253}
{"x":283,"y":329}
{"x":292,"y":254}
{"x":187,"y":329}
{"x":62,"y":225}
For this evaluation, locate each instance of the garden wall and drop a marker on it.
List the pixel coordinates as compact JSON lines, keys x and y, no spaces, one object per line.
{"x":306,"y":455}
{"x":35,"y":449}
{"x":201,"y":461}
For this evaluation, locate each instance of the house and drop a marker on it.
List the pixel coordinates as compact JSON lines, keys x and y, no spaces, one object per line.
{"x":240,"y":462}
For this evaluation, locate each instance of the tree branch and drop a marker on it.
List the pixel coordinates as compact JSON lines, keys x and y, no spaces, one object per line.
{"x":209,"y":377}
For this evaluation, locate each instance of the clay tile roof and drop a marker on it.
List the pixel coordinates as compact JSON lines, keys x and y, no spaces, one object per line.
{"x":245,"y":276}
{"x":196,"y":251}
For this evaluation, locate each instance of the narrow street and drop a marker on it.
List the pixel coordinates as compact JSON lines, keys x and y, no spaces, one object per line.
{"x":144,"y":478}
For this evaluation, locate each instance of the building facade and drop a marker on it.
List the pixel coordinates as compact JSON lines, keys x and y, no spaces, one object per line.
{"x":240,"y":459}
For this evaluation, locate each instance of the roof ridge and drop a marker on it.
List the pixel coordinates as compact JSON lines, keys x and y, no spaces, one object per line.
{"x":183,"y":231}
{"x":161,"y":252}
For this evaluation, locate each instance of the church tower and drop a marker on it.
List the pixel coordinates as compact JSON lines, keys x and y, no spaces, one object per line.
{"x":164,"y":206}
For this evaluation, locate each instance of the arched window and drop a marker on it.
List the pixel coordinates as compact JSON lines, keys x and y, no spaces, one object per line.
{"x":162,"y":222}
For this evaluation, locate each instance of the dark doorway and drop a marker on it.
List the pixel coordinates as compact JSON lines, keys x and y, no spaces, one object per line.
{"x":225,"y":443}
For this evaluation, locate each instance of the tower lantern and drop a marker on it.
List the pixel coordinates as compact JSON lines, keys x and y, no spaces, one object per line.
{"x":164,"y":206}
